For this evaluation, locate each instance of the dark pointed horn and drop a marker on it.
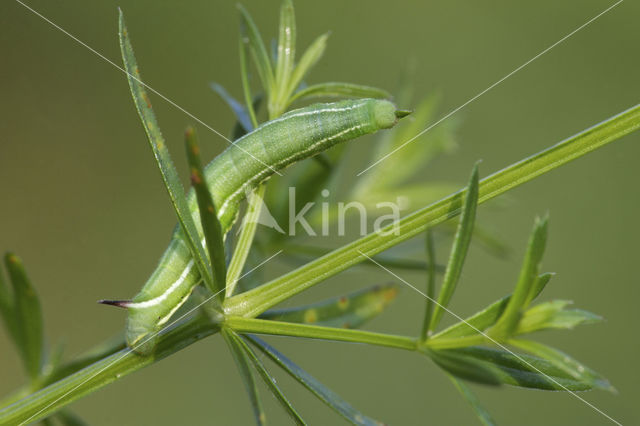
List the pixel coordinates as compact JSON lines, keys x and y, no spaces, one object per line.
{"x":118,"y":303}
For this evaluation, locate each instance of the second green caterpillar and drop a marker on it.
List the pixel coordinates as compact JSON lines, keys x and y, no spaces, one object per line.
{"x":273,"y":146}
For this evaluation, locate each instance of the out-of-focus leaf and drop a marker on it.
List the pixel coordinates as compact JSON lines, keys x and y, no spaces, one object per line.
{"x":208,"y":217}
{"x":7,"y":308}
{"x":238,"y":129}
{"x":472,"y":399}
{"x":416,"y":152}
{"x":491,"y":366}
{"x":553,"y":315}
{"x":105,"y":349}
{"x":28,"y":317}
{"x":563,"y":361}
{"x":309,"y":58}
{"x":308,"y":183}
{"x":241,"y":113}
{"x":408,"y":197}
{"x":487,"y":239}
{"x":326,"y":395}
{"x":512,"y":314}
{"x":246,"y":87}
{"x":337,"y":89}
{"x":242,"y":362}
{"x":266,"y":377}
{"x":286,"y":51}
{"x":459,"y":249}
{"x":68,"y":418}
{"x":349,"y":311}
{"x":161,"y":154}
{"x":251,"y":36}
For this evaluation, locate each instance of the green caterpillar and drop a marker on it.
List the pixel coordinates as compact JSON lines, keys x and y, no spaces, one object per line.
{"x":230,"y":176}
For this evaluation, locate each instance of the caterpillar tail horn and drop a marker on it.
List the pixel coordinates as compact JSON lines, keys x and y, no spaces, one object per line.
{"x":118,"y":303}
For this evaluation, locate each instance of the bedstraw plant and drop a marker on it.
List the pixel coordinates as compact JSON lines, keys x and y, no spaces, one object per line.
{"x":208,"y":282}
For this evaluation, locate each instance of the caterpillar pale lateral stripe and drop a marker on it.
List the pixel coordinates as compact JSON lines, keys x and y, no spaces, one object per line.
{"x":241,"y":167}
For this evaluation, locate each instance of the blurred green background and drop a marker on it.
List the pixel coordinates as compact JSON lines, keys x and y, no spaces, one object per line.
{"x":84,"y":206}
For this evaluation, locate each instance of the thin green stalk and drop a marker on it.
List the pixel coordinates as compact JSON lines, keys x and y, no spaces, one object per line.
{"x":258,"y":326}
{"x":431,"y":284}
{"x":247,"y":234}
{"x":256,"y":301}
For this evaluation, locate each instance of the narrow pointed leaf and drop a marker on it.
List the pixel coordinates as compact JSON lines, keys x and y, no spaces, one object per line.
{"x":431,"y":283}
{"x":161,"y":154}
{"x":7,"y":309}
{"x":251,"y":36}
{"x":508,"y":322}
{"x":539,"y":284}
{"x":465,"y":368}
{"x":286,"y":49}
{"x":472,"y":399}
{"x":349,"y":311}
{"x":326,"y":395}
{"x":242,"y":362}
{"x":246,"y":87}
{"x":68,"y":418}
{"x":563,"y":361}
{"x":208,"y":217}
{"x":485,"y":318}
{"x":553,"y":315}
{"x":508,"y":368}
{"x":478,"y":321}
{"x":238,"y":129}
{"x":336,"y":89}
{"x":459,"y":249}
{"x":267,"y":378}
{"x":309,"y":58}
{"x":28,"y":317}
{"x":241,"y":113}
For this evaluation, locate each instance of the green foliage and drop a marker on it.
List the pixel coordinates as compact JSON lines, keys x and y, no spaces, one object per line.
{"x":163,"y":159}
{"x":348,"y":311}
{"x":475,"y":349}
{"x":208,"y":216}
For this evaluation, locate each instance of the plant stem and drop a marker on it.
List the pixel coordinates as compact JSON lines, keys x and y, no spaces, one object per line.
{"x":258,"y":300}
{"x":431,"y":284}
{"x":99,"y":374}
{"x":249,"y":225}
{"x":280,"y":328}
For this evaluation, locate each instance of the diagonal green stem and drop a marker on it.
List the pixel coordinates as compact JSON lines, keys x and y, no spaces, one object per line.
{"x":256,"y":301}
{"x":42,"y":403}
{"x":249,"y":225}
